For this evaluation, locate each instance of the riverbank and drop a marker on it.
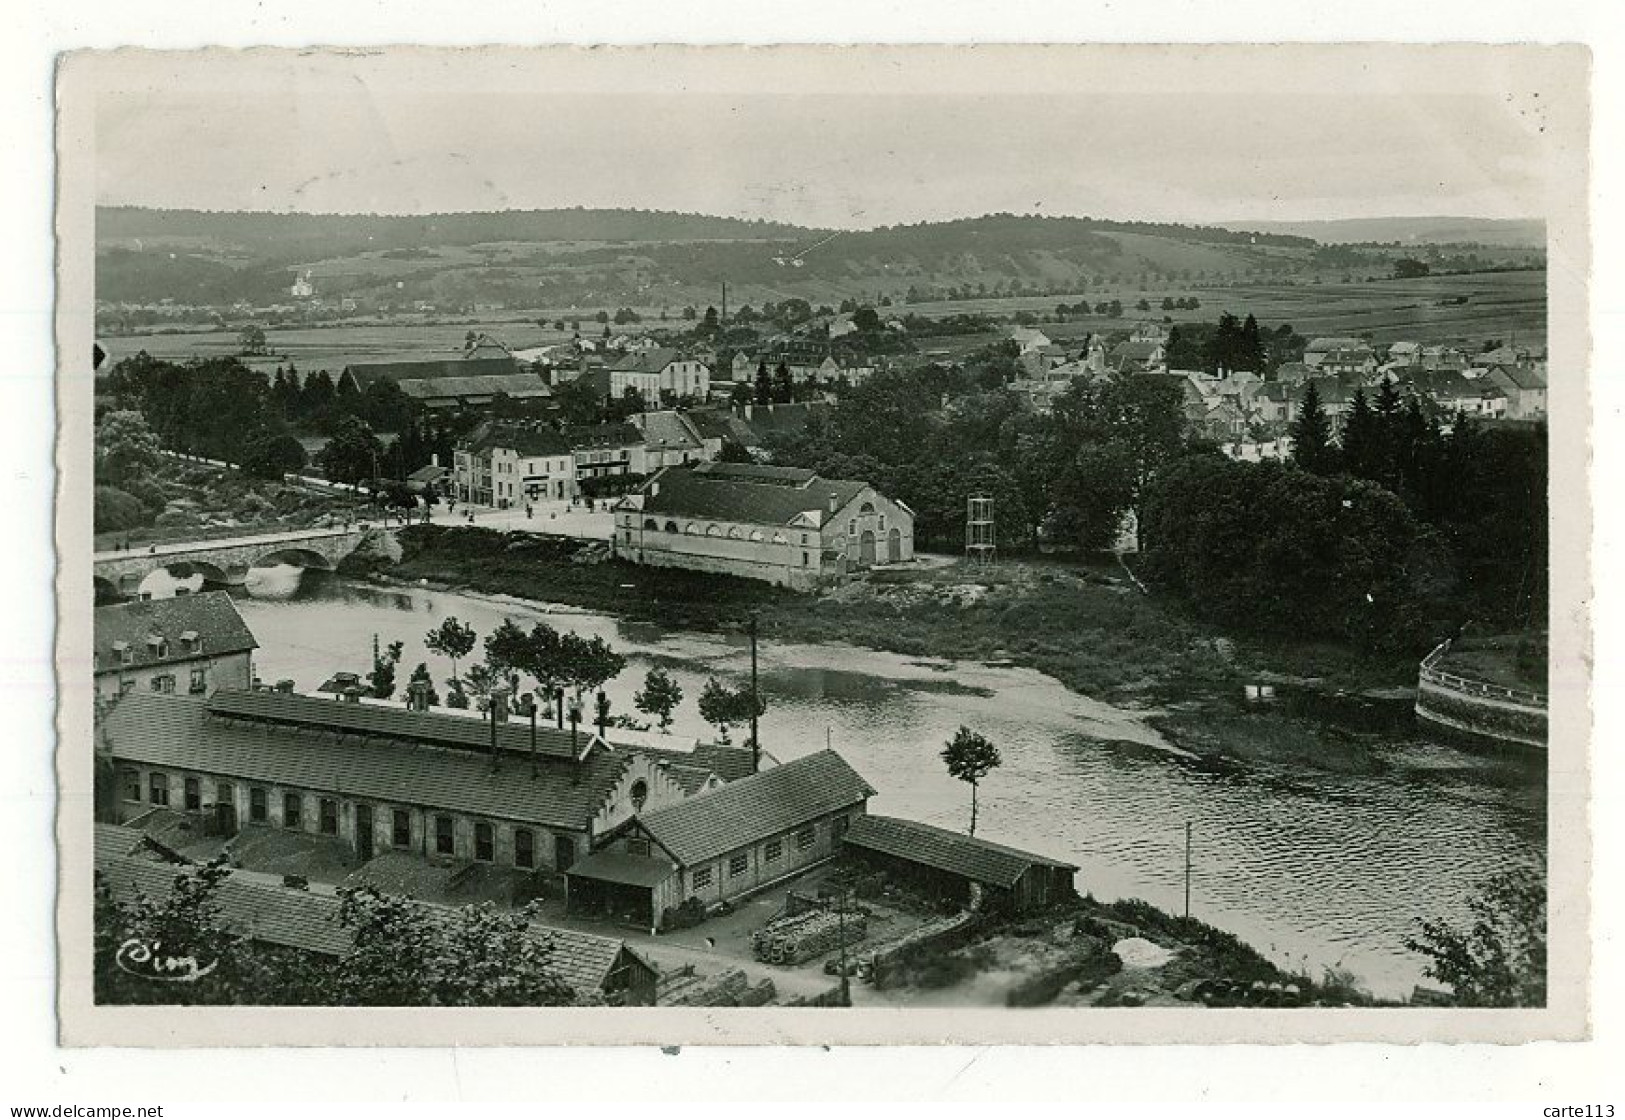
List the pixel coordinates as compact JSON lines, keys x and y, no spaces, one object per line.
{"x":1085,"y":625}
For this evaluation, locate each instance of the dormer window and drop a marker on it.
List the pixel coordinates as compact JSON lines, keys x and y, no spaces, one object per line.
{"x":158,"y":645}
{"x":192,"y":642}
{"x":123,"y":652}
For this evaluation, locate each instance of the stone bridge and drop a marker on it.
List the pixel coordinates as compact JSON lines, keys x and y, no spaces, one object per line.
{"x":227,"y":561}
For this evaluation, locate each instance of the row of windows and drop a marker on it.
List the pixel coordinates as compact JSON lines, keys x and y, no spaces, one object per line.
{"x":694,"y":529}
{"x":739,"y":863}
{"x":165,"y":683}
{"x":445,"y":832}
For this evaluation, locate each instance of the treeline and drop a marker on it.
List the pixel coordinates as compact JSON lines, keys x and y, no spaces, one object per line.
{"x":1232,"y":344}
{"x":218,"y":408}
{"x":1389,"y":534}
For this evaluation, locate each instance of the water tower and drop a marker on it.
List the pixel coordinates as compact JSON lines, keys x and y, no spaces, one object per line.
{"x":979,"y":540}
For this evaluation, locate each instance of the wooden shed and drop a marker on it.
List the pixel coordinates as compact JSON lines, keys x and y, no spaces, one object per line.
{"x":974,"y":872}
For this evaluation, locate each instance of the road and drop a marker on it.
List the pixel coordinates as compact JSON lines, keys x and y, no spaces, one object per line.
{"x":173,"y":548}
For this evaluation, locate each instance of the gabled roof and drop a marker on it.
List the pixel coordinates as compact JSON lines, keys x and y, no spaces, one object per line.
{"x":1520,"y":377}
{"x":666,"y":429}
{"x":307,"y":920}
{"x":1320,"y":345}
{"x":645,"y":361}
{"x":753,"y":809}
{"x":980,"y":860}
{"x":365,"y":373}
{"x":180,"y":733}
{"x":744,"y":493}
{"x":520,"y":386}
{"x":211,"y":616}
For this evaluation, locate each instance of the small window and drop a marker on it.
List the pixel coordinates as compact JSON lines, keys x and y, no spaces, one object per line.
{"x":224,"y":795}
{"x":292,"y":810}
{"x":400,"y":834}
{"x":200,"y":681}
{"x":132,"y":785}
{"x":524,"y":848}
{"x":444,"y":843}
{"x":485,"y":843}
{"x":194,"y":795}
{"x":126,"y":687}
{"x":738,"y":865}
{"x":773,"y":850}
{"x":640,"y":794}
{"x":330,"y":816}
{"x":637,"y":847}
{"x":158,"y":789}
{"x":806,"y":560}
{"x":852,"y":526}
{"x":164,"y":682}
{"x":805,"y":838}
{"x":126,"y":655}
{"x":702,"y":877}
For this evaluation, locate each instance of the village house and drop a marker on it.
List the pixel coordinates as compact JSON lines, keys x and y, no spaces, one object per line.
{"x":1293,"y":374}
{"x":1525,"y":389}
{"x":1138,"y":357}
{"x":783,"y":525}
{"x":1028,"y":339}
{"x":658,"y":373}
{"x":604,"y":451}
{"x":721,"y":844}
{"x":295,"y":918}
{"x":505,"y":465}
{"x":1149,"y":330}
{"x":974,"y":873}
{"x":1315,"y":353}
{"x":1354,"y":364}
{"x":191,"y":644}
{"x":375,"y":779}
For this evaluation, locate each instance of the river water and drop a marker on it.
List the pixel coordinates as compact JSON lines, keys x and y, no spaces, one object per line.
{"x":1315,"y":869}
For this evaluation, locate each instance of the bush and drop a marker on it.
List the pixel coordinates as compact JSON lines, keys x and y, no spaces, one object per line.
{"x":178,"y":519}
{"x":117,"y":510}
{"x":147,"y":492}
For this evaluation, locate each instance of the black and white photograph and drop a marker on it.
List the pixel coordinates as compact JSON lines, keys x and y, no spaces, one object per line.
{"x":1013,"y":536}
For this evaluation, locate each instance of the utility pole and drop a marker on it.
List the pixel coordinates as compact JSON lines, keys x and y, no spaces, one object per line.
{"x":1187,"y":869}
{"x":723,"y":322}
{"x":840,"y":922}
{"x":755,"y":705}
{"x":499,"y":714}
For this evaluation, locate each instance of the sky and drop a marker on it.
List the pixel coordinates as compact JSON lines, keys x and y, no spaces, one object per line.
{"x":847,"y":158}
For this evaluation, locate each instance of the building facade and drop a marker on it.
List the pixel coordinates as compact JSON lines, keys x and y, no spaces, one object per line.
{"x":777,"y":524}
{"x":190,"y":644}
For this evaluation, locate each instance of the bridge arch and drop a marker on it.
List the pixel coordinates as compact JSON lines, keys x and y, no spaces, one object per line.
{"x":106,"y":590}
{"x":294,"y":557}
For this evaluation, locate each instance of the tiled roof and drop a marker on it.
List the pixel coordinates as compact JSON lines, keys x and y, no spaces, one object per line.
{"x":365,"y":373}
{"x":745,"y":494}
{"x":601,"y":436}
{"x":1320,"y":345}
{"x":212,"y":616}
{"x":309,"y":920}
{"x":1522,"y":377}
{"x":521,"y":386}
{"x":434,"y":728}
{"x":779,"y":800}
{"x":981,"y":860}
{"x":528,"y":442}
{"x":620,"y":867}
{"x":180,"y":733}
{"x":646,"y":361}
{"x":666,"y":429}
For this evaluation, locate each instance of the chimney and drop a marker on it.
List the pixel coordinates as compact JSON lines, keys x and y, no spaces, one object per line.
{"x":434,"y":459}
{"x":285,"y":686}
{"x":352,"y":695}
{"x":833,"y":499}
{"x":417,"y":696}
{"x":499,"y":714}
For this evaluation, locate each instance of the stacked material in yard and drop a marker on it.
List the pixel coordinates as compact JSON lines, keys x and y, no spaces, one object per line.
{"x":877,"y":957}
{"x":805,"y":936}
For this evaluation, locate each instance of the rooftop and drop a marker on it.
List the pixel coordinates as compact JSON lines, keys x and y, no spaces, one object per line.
{"x":981,"y":860}
{"x":365,"y":373}
{"x":190,"y":626}
{"x":745,"y":493}
{"x":752,"y":809}
{"x":181,"y":733}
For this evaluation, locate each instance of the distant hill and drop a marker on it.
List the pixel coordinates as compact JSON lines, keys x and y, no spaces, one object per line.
{"x":1508,"y":232}
{"x":610,"y":258}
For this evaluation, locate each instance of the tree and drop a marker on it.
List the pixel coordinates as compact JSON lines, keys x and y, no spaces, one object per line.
{"x":764,"y":386}
{"x":252,"y":339}
{"x":1500,"y":960}
{"x":407,"y":955}
{"x":352,"y":454}
{"x":725,"y":707}
{"x":1311,"y":434}
{"x":115,"y":510}
{"x":1361,"y":441}
{"x":659,"y":696}
{"x":587,"y":663}
{"x":452,"y":639}
{"x":970,"y":757}
{"x":270,"y":455}
{"x":734,"y":452}
{"x":382,"y":677}
{"x":1409,"y":268}
{"x":126,"y":448}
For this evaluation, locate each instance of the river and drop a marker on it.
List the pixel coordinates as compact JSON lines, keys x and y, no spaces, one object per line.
{"x":1316,"y":870}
